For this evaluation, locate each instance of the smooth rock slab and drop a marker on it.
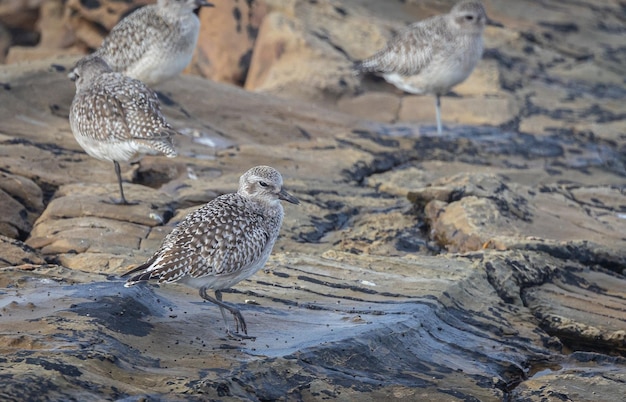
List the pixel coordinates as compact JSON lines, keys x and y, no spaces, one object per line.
{"x":320,"y":324}
{"x":326,"y":328}
{"x":82,"y":229}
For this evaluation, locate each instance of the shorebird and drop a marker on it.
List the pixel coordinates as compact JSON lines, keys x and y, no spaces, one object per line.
{"x":433,"y":55}
{"x":155,"y":42}
{"x":222,"y":243}
{"x":115,"y":117}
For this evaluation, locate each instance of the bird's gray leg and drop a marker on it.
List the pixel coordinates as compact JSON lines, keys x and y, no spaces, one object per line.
{"x":239,"y":321}
{"x":119,"y":181}
{"x":438,"y":111}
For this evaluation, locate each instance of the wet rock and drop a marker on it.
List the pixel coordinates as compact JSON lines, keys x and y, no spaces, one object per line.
{"x":348,"y":320}
{"x":372,"y":335}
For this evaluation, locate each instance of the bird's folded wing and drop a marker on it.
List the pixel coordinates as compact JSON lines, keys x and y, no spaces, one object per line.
{"x":407,"y":53}
{"x":101,"y":116}
{"x":125,"y":44}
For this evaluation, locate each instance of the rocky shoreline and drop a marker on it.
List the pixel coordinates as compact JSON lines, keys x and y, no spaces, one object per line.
{"x":484,"y":264}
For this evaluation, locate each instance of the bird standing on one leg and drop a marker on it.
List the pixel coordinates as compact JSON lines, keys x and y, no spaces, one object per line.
{"x":433,"y":55}
{"x":154,"y":43}
{"x":224,"y":242}
{"x":114,"y":117}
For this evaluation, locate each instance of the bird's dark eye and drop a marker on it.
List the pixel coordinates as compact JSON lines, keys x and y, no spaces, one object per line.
{"x":263,"y":184}
{"x":469,"y":17}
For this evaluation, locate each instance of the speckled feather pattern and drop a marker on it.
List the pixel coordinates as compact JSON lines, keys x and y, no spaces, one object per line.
{"x":433,"y":55}
{"x":230,"y":237}
{"x":413,"y":48}
{"x":154,"y":43}
{"x":223,"y":242}
{"x":114,"y":117}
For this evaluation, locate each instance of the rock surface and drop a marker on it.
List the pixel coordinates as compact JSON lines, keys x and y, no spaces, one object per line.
{"x":227,"y":36}
{"x":484,"y":264}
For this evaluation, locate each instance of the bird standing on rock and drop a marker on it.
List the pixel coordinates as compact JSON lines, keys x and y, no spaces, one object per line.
{"x":115,"y":118}
{"x":433,"y":55}
{"x":224,"y":242}
{"x":155,"y":42}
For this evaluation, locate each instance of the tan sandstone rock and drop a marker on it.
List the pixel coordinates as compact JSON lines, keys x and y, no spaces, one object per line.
{"x":469,"y":212}
{"x":305,"y":58}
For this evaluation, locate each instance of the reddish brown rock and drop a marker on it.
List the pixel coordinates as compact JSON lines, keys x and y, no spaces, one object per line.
{"x":56,"y":38}
{"x":227,"y":35}
{"x":19,"y":13}
{"x":87,"y":19}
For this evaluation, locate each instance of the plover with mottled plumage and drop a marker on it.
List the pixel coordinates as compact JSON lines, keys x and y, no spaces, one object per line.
{"x":115,"y":117}
{"x":223,"y":242}
{"x":433,"y":55}
{"x":154,"y":43}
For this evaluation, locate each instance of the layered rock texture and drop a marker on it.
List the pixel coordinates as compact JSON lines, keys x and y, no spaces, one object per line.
{"x":484,"y":264}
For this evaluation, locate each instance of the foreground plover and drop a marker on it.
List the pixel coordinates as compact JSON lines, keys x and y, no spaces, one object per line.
{"x":433,"y":55}
{"x":115,"y":118}
{"x":155,"y":42}
{"x":223,"y":242}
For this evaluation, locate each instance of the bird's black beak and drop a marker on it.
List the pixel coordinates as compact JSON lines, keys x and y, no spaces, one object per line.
{"x":284,"y":195}
{"x":204,"y":3}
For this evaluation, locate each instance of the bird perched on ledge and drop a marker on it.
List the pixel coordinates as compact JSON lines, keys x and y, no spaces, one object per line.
{"x":114,"y":117}
{"x":224,"y":242}
{"x":154,"y":43}
{"x":433,"y":55}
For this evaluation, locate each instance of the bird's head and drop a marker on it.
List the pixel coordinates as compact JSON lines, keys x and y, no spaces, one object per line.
{"x":264,"y":183}
{"x":469,"y":16}
{"x":87,"y":69}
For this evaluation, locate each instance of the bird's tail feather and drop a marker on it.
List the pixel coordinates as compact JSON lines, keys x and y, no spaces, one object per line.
{"x":369,"y":65}
{"x":142,"y":276}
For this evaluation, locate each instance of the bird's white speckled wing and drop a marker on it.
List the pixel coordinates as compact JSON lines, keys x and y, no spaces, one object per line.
{"x":410,"y":51}
{"x":220,"y":238}
{"x":99,"y":115}
{"x":142,"y":110}
{"x":139,"y":106}
{"x":126,"y":44}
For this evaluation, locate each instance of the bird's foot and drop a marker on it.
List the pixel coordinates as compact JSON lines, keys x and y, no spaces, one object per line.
{"x":122,"y":201}
{"x":238,"y":336}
